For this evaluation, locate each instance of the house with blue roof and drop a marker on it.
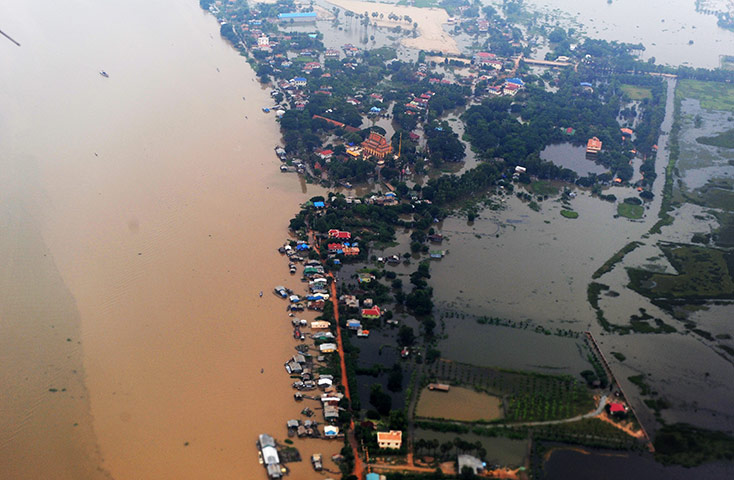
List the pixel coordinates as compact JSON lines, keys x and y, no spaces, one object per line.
{"x":297,"y":17}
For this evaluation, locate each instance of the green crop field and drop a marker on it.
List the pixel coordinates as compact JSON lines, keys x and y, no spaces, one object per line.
{"x":636,"y":93}
{"x":526,"y":396}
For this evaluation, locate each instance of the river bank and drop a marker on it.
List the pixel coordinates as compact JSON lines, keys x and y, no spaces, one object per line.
{"x":154,"y":206}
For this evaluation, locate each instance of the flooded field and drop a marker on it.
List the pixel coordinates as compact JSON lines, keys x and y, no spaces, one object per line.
{"x":513,"y":348}
{"x":581,"y":464}
{"x":502,"y":451}
{"x":458,"y":404}
{"x":570,"y":156}
{"x":672,"y":32}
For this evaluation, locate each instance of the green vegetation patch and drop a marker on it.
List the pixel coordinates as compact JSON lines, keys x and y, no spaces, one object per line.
{"x":703,"y":273}
{"x":712,"y":95}
{"x":639,"y":381}
{"x":723,"y":139}
{"x":569,"y":214}
{"x":717,"y":193}
{"x":615,"y":259}
{"x":619,"y":356}
{"x":724,"y":235}
{"x":686,"y":445}
{"x":526,"y":396}
{"x":636,"y":93}
{"x":544,"y":187}
{"x":633,"y":212}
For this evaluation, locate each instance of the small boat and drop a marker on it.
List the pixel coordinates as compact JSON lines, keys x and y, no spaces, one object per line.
{"x":104,"y":74}
{"x":266,"y":109}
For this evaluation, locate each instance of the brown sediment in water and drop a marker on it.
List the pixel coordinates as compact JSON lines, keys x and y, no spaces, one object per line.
{"x":142,"y":213}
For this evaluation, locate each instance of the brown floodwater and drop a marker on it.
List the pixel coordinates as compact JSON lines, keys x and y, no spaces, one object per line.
{"x":139,"y":219}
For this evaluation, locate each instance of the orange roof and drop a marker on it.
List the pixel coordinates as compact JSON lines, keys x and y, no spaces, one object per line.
{"x":392,"y":435}
{"x":593,"y":144}
{"x":626,"y":131}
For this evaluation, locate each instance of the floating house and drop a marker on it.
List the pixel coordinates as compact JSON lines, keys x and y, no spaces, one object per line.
{"x":327,"y":347}
{"x":320,"y":324}
{"x":269,"y":454}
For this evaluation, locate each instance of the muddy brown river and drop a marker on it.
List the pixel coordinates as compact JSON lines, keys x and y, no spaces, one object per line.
{"x":139,"y":219}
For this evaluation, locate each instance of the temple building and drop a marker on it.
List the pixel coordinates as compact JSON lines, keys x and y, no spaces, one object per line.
{"x":376,"y":145}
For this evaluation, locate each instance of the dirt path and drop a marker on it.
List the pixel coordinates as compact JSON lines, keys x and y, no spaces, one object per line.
{"x":358,"y":466}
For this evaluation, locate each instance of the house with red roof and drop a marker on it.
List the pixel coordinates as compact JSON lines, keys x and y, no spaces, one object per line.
{"x":334,"y":233}
{"x":617,"y":408}
{"x":372,"y":313}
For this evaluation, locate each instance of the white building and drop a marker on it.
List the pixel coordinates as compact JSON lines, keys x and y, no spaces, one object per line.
{"x":392,"y":439}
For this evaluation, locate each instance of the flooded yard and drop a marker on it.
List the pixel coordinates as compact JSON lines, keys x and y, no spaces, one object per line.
{"x":502,"y":451}
{"x":459,"y":404}
{"x":573,"y":157}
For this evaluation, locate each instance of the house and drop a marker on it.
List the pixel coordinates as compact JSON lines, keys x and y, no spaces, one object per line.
{"x":331,"y":413}
{"x":511,"y":89}
{"x":297,"y":17}
{"x":319,"y":324}
{"x":519,"y":169}
{"x":593,"y":146}
{"x":481,"y":58}
{"x":376,"y":145}
{"x":392,"y":439}
{"x":354,"y":324}
{"x":334,"y":233}
{"x":299,"y":82}
{"x":325,"y":154}
{"x":263,"y":41}
{"x":617,"y":408}
{"x":371,"y":313}
{"x":331,"y":53}
{"x":515,"y":81}
{"x":365,"y":277}
{"x":626,"y":131}
{"x":350,"y":301}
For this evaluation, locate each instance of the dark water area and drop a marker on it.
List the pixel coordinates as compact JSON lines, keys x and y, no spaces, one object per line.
{"x":572,"y":157}
{"x":572,"y":464}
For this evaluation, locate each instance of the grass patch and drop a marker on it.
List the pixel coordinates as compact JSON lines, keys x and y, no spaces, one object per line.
{"x":703,"y":274}
{"x":686,"y":445}
{"x":633,"y":212}
{"x":636,"y":93}
{"x":723,"y":139}
{"x":543,"y":187}
{"x":615,"y":259}
{"x":712,"y":95}
{"x":569,"y":214}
